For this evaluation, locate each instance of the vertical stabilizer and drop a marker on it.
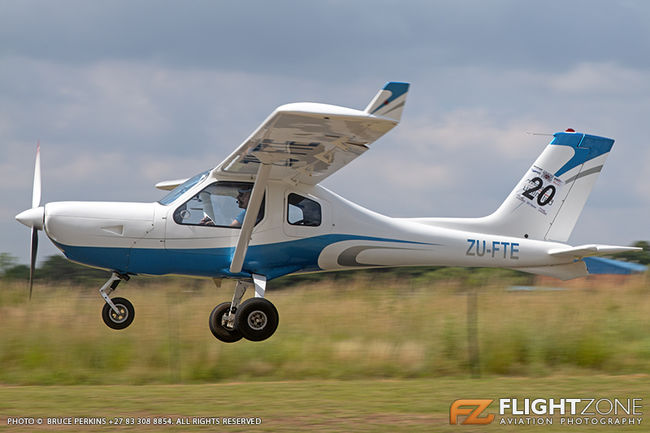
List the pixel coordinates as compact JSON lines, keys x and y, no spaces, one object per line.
{"x":548,"y":200}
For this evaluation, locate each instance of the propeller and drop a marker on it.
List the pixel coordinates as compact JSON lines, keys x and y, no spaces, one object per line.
{"x":33,"y":217}
{"x":32,"y":264}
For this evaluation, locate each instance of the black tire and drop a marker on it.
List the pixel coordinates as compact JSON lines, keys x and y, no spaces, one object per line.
{"x":218,"y":329}
{"x":256,"y":319}
{"x":122,"y":320}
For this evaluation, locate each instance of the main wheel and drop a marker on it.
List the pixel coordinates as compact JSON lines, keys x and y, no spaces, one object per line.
{"x":217,"y":324}
{"x":256,"y":319}
{"x":118,"y":320}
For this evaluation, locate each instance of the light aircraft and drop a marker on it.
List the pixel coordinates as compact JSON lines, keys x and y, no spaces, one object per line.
{"x":261,"y":214}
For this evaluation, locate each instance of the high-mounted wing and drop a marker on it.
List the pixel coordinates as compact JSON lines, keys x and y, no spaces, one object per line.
{"x":306,"y":142}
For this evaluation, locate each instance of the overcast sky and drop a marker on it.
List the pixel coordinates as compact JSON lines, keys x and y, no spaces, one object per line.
{"x":124,"y":94}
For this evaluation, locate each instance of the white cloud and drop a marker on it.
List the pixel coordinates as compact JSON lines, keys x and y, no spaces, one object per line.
{"x":642,"y":187}
{"x":601,"y":78}
{"x":463,"y":164}
{"x":473,"y":130}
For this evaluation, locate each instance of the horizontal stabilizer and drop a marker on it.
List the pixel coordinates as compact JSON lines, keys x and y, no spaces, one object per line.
{"x":168,"y":185}
{"x":601,"y":265}
{"x":590,"y":250}
{"x":588,"y":265}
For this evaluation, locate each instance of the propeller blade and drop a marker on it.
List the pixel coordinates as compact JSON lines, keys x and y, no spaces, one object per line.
{"x":32,"y":265}
{"x":36,"y":192}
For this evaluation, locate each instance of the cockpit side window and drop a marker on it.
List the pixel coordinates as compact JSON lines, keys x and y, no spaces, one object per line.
{"x":302,"y":211}
{"x":182,"y":188}
{"x":221,"y":204}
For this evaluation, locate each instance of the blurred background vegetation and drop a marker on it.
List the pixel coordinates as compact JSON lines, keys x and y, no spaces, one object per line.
{"x":385,"y":323}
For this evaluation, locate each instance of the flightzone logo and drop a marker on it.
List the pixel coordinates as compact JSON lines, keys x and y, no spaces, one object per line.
{"x":471,"y":410}
{"x":548,"y":411}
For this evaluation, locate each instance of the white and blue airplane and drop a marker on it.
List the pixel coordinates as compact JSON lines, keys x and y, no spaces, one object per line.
{"x":261,"y":214}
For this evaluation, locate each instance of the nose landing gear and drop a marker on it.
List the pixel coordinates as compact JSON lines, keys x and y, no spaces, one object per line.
{"x":255,"y":319}
{"x":117,"y":313}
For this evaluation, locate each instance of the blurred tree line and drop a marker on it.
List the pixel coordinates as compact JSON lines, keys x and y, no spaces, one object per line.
{"x":641,"y":257}
{"x":57,"y":268}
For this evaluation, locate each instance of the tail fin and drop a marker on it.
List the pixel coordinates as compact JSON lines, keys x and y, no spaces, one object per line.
{"x":548,"y":200}
{"x":389,"y":101}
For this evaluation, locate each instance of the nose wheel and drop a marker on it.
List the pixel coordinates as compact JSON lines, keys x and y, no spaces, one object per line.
{"x":255,"y":319}
{"x":117,"y":313}
{"x":121,"y":318}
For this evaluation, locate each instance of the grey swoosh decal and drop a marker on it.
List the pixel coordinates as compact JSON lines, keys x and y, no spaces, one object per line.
{"x":349,"y":256}
{"x":584,"y":173}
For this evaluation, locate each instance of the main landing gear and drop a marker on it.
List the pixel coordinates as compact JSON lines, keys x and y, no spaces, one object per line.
{"x":255,"y":319}
{"x":118,"y":313}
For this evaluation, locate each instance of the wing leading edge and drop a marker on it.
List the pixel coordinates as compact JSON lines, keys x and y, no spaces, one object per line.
{"x":306,"y":142}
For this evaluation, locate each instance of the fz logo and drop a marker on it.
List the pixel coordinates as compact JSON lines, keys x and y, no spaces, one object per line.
{"x":471,"y":409}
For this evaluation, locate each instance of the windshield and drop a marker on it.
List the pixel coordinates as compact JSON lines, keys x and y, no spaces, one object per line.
{"x":221,"y":204}
{"x":180,"y":189}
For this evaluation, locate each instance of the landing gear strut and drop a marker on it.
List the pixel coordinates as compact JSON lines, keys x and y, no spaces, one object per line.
{"x":255,"y":319}
{"x":118,"y":313}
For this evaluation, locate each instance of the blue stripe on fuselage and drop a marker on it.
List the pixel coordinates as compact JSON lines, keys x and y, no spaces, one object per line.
{"x":272,"y":260}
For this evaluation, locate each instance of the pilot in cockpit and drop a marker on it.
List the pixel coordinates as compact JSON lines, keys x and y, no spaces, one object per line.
{"x":243,"y":196}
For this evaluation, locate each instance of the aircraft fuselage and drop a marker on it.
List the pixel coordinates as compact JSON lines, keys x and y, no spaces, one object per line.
{"x":145,"y":238}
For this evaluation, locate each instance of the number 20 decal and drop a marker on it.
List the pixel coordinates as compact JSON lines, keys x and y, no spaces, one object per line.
{"x":545,"y":196}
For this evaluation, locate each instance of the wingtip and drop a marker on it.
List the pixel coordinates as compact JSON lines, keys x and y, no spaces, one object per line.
{"x":401,"y":83}
{"x":397,"y":88}
{"x":389,"y":101}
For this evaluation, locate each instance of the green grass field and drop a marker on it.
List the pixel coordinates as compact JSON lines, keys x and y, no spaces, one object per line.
{"x":408,"y":405}
{"x":354,"y":330}
{"x":363,"y":354}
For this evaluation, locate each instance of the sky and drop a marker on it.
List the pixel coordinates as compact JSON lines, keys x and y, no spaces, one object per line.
{"x":124,"y":94}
